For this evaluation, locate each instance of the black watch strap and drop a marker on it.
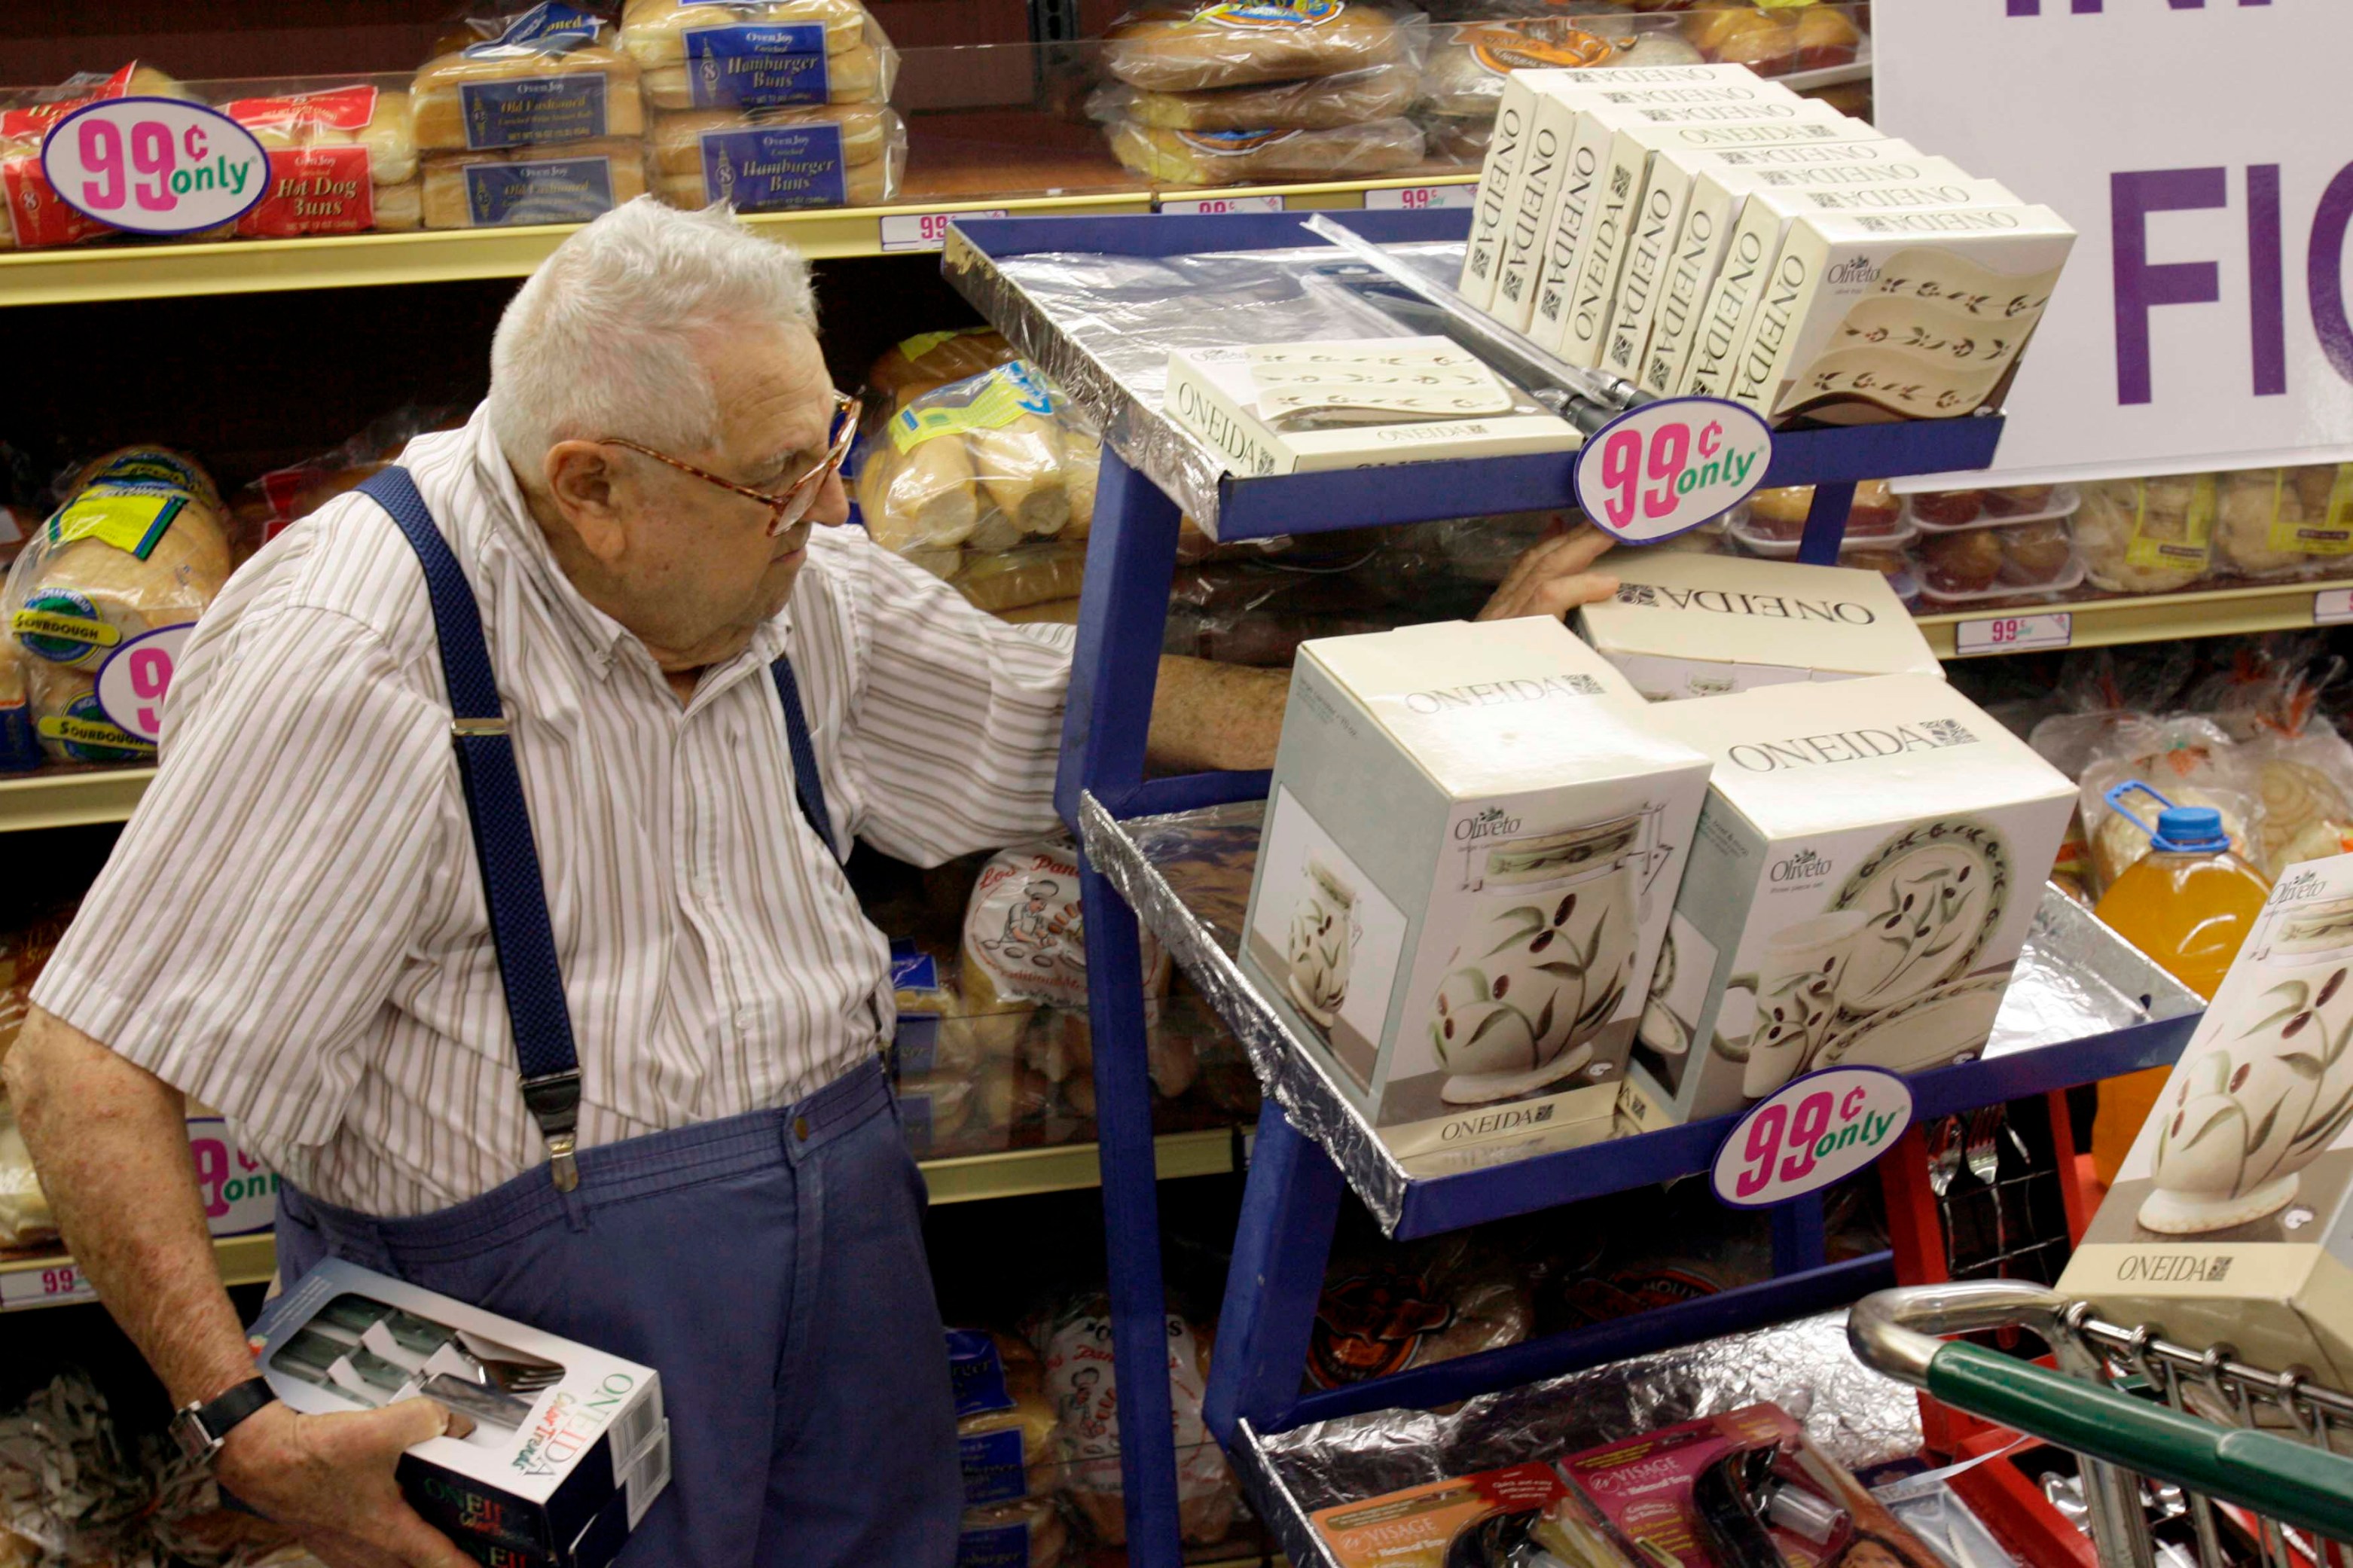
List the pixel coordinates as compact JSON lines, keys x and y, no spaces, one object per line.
{"x":201,"y":1427}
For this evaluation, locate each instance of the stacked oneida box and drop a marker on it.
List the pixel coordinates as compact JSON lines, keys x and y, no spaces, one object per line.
{"x":1698,"y":231}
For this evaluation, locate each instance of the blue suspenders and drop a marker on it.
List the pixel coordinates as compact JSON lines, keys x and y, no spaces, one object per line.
{"x":521,"y":932}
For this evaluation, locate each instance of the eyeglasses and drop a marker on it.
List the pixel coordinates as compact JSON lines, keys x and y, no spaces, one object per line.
{"x":789,"y":506}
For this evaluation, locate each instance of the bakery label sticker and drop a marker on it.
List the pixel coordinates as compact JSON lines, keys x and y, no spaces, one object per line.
{"x":553,"y":190}
{"x":531,"y":112}
{"x":774,"y":168}
{"x":1810,"y":1132}
{"x":154,"y":166}
{"x":133,"y":682}
{"x":752,"y":66}
{"x":1664,"y":467}
{"x":1272,"y":12}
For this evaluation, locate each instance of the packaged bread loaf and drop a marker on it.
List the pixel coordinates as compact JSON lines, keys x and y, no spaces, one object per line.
{"x":986,"y":464}
{"x":1025,"y":937}
{"x":1001,"y":580}
{"x":1028,"y":1533}
{"x":1463,"y":75}
{"x":1004,"y":1422}
{"x":1185,"y":48}
{"x":1317,"y":103}
{"x":1225,"y":157}
{"x":570,"y":184}
{"x":2147,"y":536}
{"x":758,"y":54}
{"x":37,"y":215}
{"x":2272,"y":524}
{"x":342,"y":161}
{"x":1773,"y":41}
{"x":551,"y":75}
{"x":915,"y":365}
{"x":779,"y":159}
{"x":19,"y":751}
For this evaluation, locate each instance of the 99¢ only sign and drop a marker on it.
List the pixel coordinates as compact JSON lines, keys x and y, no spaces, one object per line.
{"x":1812,"y":1131}
{"x":156,"y":165}
{"x":1662,"y":468}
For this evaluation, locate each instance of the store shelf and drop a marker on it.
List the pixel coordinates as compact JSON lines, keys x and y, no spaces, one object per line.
{"x":2161,"y":617}
{"x":52,"y":1280}
{"x":1021,"y":1172}
{"x":70,"y":799}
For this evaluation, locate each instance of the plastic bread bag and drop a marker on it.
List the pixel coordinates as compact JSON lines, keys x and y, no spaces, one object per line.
{"x":758,"y":54}
{"x":1317,"y":103}
{"x":571,"y":182}
{"x":1237,"y":43}
{"x":2275,"y":523}
{"x":550,"y":75}
{"x":1392,"y":1309}
{"x":927,"y":361}
{"x":2147,"y":536}
{"x":25,"y":1216}
{"x":779,"y":159}
{"x":37,"y":216}
{"x":1059,"y":1047}
{"x":1463,"y":75}
{"x":1776,"y":40}
{"x":2185,"y":758}
{"x":263,"y":509}
{"x":1025,"y":936}
{"x":342,"y":161}
{"x":1073,"y":1341}
{"x":982,"y":464}
{"x":1230,"y":157}
{"x":1028,"y":1532}
{"x":1005,"y":1421}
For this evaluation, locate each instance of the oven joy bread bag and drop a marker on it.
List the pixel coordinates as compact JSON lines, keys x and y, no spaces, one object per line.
{"x":550,"y":75}
{"x":779,"y":159}
{"x":758,"y":54}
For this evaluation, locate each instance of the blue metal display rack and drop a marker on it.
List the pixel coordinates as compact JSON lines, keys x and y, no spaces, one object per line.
{"x":1294,"y":1190}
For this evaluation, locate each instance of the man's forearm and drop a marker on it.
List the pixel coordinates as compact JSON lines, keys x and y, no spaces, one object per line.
{"x":110,"y":1143}
{"x":1208,"y":715}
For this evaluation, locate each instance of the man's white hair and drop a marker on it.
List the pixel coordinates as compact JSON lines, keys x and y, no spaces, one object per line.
{"x":606,"y":338}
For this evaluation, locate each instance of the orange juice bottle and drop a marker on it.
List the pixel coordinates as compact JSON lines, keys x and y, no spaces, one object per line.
{"x":2187,"y":904}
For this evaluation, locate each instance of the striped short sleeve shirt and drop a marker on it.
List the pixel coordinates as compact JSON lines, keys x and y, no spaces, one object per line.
{"x":293,"y":927}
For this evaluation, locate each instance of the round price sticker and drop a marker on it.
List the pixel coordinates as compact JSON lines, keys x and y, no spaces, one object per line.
{"x":156,"y":165}
{"x":1812,"y":1131}
{"x":1663,"y":468}
{"x":134,"y":677}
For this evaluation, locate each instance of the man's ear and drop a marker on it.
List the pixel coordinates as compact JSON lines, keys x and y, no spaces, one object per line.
{"x":583,"y":481}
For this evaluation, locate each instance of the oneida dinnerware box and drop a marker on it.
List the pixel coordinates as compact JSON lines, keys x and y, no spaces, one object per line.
{"x":1699,"y":625}
{"x":2231,"y":1217}
{"x":569,"y":1445}
{"x":1864,"y":873}
{"x":1473,"y":843}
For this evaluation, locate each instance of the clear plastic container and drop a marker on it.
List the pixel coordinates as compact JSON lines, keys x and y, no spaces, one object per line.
{"x":2036,"y":560}
{"x":1948,"y":512}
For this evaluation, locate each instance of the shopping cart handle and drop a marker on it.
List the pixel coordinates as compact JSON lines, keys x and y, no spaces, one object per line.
{"x":2260,"y":1471}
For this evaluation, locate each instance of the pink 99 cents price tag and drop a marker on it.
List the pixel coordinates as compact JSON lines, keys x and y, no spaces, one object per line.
{"x":1812,"y":1131}
{"x":133,"y":682}
{"x":156,"y":165}
{"x":1663,"y":468}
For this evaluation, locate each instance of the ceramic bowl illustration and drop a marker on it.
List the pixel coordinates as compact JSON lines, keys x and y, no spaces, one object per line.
{"x":1322,"y":934}
{"x":2253,"y":1108}
{"x":1798,"y":983}
{"x":1942,"y":1026}
{"x":1932,"y":896}
{"x":1544,"y":961}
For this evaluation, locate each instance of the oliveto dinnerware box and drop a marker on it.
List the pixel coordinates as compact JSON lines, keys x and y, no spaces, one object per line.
{"x":1473,"y":843}
{"x":2232,"y":1217}
{"x":569,"y":1445}
{"x":1686,"y":626}
{"x":1864,"y":873}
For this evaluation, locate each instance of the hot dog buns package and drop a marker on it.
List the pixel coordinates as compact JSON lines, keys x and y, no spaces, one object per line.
{"x":1236,"y":43}
{"x":571,"y":183}
{"x":758,"y":54}
{"x":97,"y":601}
{"x":37,"y":215}
{"x":552,"y":74}
{"x":342,"y":161}
{"x":779,"y":159}
{"x":1227,"y":157}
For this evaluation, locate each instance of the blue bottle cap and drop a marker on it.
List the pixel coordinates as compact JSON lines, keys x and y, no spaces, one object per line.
{"x":2189,"y":828}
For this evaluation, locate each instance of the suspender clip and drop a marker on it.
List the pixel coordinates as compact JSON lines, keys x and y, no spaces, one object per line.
{"x":463,"y":728}
{"x":554,"y":1100}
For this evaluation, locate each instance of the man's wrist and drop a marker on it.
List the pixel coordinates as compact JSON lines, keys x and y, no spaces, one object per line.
{"x":201,"y":1428}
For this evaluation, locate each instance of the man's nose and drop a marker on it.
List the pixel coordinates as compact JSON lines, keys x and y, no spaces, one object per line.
{"x":831,"y":506}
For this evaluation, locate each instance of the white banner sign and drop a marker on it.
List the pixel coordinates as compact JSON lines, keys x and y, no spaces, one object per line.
{"x":2202,"y":149}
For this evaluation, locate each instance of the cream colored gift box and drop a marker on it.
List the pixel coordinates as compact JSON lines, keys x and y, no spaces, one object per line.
{"x":1866,"y":870}
{"x":1469,"y":852}
{"x":2231,"y":1217}
{"x":1683,"y":624}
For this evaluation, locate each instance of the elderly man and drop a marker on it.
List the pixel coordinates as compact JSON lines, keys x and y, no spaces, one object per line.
{"x":493,"y":884}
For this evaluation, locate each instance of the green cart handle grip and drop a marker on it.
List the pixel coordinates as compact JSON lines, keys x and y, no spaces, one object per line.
{"x":2275,"y":1476}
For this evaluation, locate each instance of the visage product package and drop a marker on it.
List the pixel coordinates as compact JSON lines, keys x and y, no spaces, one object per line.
{"x":1683,"y":624}
{"x":1871,"y":315}
{"x":1473,"y":842}
{"x":1866,"y":869}
{"x":1281,"y":408}
{"x":2232,"y":1217}
{"x":569,"y":1445}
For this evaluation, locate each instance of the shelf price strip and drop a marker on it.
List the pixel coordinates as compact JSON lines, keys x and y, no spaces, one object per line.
{"x":2332,"y":607}
{"x":1210,"y":206}
{"x":2013,"y":633}
{"x":1423,"y":198}
{"x":52,"y":1285}
{"x":925,"y":231}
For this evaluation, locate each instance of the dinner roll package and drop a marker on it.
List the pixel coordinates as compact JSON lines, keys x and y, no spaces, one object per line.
{"x":99,"y":598}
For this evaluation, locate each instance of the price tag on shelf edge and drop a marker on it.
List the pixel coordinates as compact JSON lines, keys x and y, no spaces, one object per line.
{"x":133,"y":680}
{"x":2332,"y":607}
{"x":1199,"y":206}
{"x":1423,"y":198}
{"x":1812,"y":1131}
{"x":1665,"y":467}
{"x":2013,"y":633}
{"x":52,"y":1285}
{"x":925,"y":231}
{"x":156,"y":165}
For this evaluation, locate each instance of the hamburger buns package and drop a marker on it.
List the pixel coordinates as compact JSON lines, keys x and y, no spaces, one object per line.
{"x":779,"y":159}
{"x":552,"y":74}
{"x":569,"y":184}
{"x":758,"y":54}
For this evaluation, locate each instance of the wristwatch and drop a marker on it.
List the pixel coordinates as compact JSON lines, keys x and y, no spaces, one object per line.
{"x":200,"y":1428}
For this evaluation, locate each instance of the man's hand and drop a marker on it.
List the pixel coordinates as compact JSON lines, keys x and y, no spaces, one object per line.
{"x":1554,"y":577}
{"x":329,"y":1478}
